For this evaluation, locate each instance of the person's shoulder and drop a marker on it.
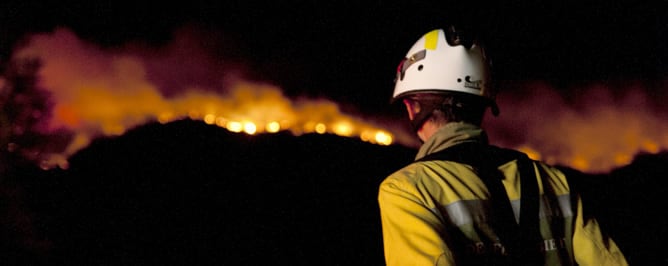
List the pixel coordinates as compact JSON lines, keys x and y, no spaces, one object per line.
{"x":408,"y":175}
{"x":551,"y":169}
{"x":429,"y":172}
{"x":405,"y":174}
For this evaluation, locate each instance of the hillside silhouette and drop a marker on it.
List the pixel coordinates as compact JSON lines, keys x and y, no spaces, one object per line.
{"x":189,"y":193}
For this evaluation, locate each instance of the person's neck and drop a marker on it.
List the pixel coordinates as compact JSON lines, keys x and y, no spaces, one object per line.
{"x":428,"y":129}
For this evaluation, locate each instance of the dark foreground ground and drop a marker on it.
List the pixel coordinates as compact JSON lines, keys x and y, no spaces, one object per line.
{"x":187,"y":193}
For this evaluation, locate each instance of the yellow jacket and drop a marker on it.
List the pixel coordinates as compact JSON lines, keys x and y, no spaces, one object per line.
{"x":438,"y":212}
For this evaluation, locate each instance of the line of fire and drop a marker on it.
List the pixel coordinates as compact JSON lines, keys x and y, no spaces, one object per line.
{"x":92,"y":92}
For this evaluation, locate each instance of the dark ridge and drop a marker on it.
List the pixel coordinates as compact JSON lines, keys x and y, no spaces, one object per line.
{"x":190,"y":193}
{"x":628,"y":203}
{"x":187,"y":191}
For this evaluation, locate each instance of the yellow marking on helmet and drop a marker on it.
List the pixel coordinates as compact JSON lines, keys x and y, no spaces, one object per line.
{"x":430,"y":40}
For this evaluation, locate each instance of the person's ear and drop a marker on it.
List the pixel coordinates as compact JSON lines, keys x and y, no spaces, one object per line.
{"x":412,"y":107}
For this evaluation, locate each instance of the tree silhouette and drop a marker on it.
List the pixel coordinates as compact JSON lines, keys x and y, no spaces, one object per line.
{"x":24,"y":107}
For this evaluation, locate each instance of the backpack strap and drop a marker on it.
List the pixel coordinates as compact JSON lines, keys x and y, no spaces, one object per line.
{"x":521,"y":239}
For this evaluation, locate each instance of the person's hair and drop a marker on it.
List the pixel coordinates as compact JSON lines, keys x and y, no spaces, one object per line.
{"x":453,"y":107}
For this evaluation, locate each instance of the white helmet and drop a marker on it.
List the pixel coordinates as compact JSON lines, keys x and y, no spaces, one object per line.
{"x":442,"y":61}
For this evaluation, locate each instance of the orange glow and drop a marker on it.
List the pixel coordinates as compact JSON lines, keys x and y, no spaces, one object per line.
{"x":650,"y":146}
{"x":66,"y":115}
{"x":383,"y":138}
{"x":580,"y":163}
{"x":250,"y":128}
{"x":105,"y":92}
{"x":273,"y":127}
{"x":210,"y":119}
{"x":602,"y":128}
{"x":343,"y":128}
{"x":530,"y":152}
{"x":320,"y":128}
{"x":234,"y":126}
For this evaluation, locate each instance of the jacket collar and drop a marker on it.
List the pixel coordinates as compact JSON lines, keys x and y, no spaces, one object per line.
{"x":449,"y":135}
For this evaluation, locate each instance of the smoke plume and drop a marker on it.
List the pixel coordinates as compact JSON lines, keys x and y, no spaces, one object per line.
{"x":100,"y":91}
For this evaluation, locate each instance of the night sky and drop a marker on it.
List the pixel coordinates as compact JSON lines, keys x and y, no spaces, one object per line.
{"x":187,"y":192}
{"x":348,"y":50}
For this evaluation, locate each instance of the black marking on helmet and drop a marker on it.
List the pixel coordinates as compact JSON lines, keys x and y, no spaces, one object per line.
{"x":472,"y":84}
{"x":407,"y":62}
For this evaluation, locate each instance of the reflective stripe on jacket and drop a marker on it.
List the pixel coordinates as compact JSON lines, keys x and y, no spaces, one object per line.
{"x":438,"y":213}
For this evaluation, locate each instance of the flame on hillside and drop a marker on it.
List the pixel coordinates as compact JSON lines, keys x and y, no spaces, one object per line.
{"x":97,"y":92}
{"x":603,"y":125}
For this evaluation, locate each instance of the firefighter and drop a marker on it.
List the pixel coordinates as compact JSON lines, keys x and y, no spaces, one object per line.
{"x":464,"y":201}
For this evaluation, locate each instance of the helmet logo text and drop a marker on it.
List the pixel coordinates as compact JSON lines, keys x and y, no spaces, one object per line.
{"x":472,"y":84}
